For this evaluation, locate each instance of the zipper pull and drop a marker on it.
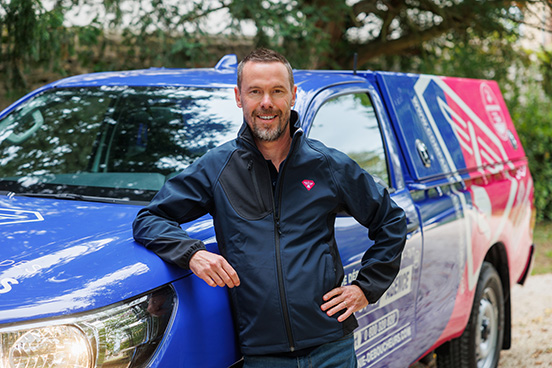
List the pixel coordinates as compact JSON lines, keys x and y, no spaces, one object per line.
{"x":250,"y":165}
{"x":278,"y":227}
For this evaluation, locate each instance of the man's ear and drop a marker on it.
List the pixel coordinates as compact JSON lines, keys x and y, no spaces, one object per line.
{"x":294,"y":92}
{"x":238,"y":97}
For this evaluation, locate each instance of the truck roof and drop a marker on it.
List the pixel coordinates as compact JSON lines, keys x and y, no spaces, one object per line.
{"x":223,"y":75}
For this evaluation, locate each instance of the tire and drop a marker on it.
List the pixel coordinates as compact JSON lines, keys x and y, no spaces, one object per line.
{"x":480,"y":344}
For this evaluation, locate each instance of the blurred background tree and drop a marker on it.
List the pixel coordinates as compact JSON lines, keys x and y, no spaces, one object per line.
{"x":43,"y":40}
{"x":390,"y":34}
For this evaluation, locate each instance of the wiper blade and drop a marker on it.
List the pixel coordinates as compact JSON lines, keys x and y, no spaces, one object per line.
{"x":72,"y":197}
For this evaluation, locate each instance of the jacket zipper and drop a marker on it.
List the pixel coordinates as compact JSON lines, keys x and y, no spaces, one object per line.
{"x":282,"y":291}
{"x":278,"y":233}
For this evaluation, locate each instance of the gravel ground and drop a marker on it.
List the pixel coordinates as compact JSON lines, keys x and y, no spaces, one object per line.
{"x":531,"y":325}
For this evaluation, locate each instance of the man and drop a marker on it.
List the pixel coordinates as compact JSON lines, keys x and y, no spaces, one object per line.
{"x":274,"y":196}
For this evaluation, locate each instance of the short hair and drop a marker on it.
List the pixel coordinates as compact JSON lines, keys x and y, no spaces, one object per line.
{"x":264,"y":55}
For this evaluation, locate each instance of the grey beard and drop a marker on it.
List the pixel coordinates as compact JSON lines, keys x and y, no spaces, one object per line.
{"x":268,"y":135}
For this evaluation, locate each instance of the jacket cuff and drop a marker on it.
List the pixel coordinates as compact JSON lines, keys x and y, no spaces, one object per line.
{"x":184,"y":261}
{"x":365,"y":289}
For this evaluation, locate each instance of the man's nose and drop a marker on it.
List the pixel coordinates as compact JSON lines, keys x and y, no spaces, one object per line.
{"x":266,"y":101}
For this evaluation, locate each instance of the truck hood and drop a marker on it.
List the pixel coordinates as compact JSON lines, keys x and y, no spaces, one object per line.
{"x":59,"y":257}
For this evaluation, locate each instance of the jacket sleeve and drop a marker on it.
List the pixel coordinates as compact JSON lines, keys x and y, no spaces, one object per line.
{"x":371,"y":205}
{"x":183,"y":198}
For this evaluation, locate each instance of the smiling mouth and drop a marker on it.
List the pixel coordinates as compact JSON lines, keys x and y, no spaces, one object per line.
{"x":266,"y":117}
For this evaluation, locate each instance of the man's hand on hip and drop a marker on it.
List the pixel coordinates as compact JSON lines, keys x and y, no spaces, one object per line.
{"x":213,"y":269}
{"x":349,"y":298}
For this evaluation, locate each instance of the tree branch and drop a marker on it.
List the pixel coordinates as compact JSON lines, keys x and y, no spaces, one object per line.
{"x":381,"y":47}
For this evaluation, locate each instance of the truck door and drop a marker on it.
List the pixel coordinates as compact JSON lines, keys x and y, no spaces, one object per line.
{"x":351,"y":119}
{"x":435,"y":169}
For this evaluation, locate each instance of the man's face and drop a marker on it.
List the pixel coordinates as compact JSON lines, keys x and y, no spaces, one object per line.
{"x":266,"y":98}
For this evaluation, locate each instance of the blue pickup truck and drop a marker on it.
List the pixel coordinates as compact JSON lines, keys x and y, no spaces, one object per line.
{"x":79,"y":158}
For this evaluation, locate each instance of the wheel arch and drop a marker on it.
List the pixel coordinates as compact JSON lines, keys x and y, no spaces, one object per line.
{"x":498,"y":257}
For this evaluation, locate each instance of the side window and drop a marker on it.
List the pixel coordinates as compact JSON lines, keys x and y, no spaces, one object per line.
{"x":349,"y":124}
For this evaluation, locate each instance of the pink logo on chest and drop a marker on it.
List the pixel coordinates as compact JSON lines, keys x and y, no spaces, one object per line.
{"x":308,"y":184}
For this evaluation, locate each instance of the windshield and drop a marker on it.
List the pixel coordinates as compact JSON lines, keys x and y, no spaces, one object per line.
{"x":114,"y":142}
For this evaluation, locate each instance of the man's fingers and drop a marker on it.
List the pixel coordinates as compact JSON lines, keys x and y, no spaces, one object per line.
{"x":332,"y":293}
{"x":233,"y":278}
{"x":217,"y":279}
{"x":226,"y":275}
{"x":337,"y":306}
{"x":345,"y":315}
{"x":343,"y":307}
{"x":333,"y":298}
{"x":348,"y":299}
{"x":213,"y":269}
{"x":331,"y":303}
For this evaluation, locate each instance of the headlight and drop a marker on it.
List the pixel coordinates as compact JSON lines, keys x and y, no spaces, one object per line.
{"x":124,"y":335}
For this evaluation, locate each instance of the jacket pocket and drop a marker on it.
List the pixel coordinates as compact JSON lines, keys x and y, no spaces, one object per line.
{"x":257,"y":306}
{"x":330,"y":273}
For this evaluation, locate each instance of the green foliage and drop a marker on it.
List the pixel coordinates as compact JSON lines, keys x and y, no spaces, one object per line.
{"x":299,"y":29}
{"x":543,"y":251}
{"x":468,"y":56}
{"x":32,"y":38}
{"x":312,"y":33}
{"x":545,"y":58}
{"x":533,"y":120}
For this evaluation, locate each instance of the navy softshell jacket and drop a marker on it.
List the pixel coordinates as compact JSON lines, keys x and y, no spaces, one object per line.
{"x":280,"y":242}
